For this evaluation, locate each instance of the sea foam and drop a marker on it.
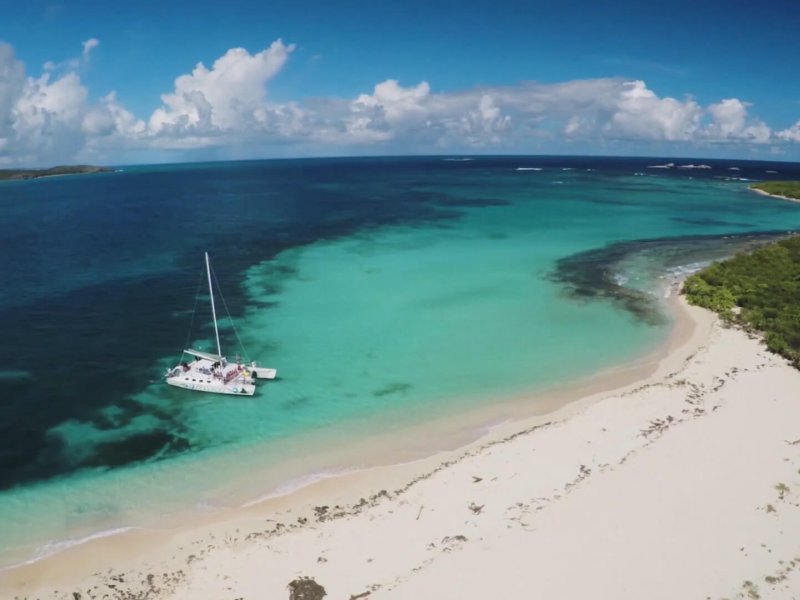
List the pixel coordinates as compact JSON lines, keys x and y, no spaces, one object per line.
{"x":56,"y":546}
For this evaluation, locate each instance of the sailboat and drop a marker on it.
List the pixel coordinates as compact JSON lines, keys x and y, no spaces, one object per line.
{"x":213,"y":373}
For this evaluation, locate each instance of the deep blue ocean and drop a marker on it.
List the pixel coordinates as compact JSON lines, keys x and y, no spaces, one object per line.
{"x":376,"y":287}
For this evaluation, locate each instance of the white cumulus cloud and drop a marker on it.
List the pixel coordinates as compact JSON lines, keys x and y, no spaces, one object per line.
{"x":395,"y":101}
{"x":586,"y":109}
{"x":228,"y":97}
{"x":640,"y":114}
{"x":792,"y":134}
{"x":51,"y":118}
{"x":45,"y":119}
{"x":730,"y":122}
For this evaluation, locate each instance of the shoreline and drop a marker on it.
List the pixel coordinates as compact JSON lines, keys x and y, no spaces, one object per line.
{"x":388,"y":469}
{"x":763,"y":193}
{"x":405,"y":438}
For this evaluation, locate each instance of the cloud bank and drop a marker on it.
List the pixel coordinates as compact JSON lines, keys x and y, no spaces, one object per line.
{"x":50,"y":118}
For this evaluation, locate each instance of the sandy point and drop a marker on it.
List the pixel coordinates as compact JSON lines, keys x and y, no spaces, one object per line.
{"x":763,"y":193}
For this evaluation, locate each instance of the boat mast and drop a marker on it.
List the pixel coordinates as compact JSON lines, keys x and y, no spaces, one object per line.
{"x":213,"y":310}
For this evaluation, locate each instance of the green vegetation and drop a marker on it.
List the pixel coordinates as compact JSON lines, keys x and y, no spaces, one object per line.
{"x":789,"y":189}
{"x":34,"y":173}
{"x":760,"y":291}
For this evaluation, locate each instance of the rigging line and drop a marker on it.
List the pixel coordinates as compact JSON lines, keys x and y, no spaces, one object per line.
{"x":194,"y":310}
{"x":233,"y":325}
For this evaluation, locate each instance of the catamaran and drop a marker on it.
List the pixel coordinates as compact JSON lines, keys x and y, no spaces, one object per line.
{"x":213,"y":373}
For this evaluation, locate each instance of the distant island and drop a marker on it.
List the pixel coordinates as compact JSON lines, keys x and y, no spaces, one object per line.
{"x":6,"y":174}
{"x":788,"y":190}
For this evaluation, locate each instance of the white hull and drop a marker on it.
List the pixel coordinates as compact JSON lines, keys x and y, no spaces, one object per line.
{"x":212,"y":387}
{"x":205,"y":375}
{"x":265,"y":373}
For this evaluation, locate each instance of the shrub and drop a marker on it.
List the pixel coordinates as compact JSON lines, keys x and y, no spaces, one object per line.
{"x":765,"y":284}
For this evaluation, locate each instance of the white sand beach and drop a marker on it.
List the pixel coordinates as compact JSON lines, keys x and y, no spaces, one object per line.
{"x":684,"y":484}
{"x":779,"y":196}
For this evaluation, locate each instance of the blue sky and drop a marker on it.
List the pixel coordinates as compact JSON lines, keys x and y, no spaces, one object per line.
{"x":715,"y":78}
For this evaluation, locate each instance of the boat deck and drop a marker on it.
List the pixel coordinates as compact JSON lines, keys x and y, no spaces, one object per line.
{"x":201,"y":375}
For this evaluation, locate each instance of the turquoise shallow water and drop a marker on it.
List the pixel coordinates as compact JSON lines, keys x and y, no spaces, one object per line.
{"x":381,"y":290}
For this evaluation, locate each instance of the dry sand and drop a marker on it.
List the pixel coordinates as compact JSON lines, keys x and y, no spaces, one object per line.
{"x":685,"y":484}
